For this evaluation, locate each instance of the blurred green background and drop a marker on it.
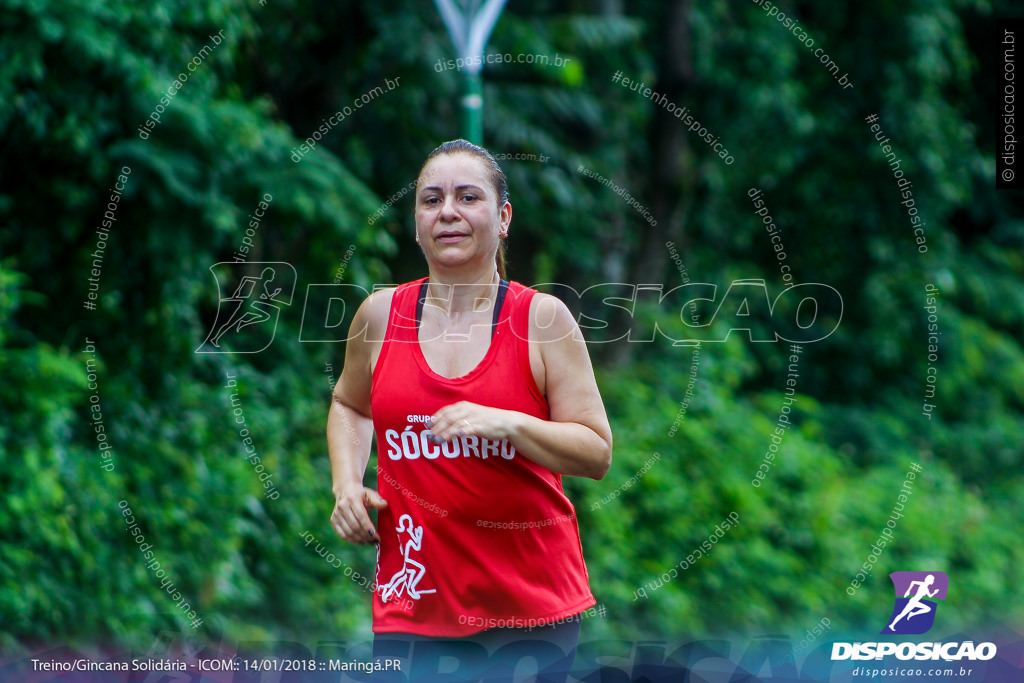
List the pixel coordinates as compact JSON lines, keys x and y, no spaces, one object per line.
{"x":78,"y":79}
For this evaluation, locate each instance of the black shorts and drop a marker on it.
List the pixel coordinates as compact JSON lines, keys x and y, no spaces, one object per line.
{"x":497,"y":654}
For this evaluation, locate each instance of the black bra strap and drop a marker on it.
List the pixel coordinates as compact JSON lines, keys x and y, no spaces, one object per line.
{"x":498,"y":300}
{"x":420,"y":302}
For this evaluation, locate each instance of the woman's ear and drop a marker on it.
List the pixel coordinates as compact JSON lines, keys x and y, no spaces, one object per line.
{"x":504,"y":219}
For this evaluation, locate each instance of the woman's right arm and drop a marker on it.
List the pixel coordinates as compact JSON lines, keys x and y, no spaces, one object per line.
{"x":349,"y":424}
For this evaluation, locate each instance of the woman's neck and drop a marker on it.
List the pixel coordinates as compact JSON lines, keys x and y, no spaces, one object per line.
{"x":463,"y":293}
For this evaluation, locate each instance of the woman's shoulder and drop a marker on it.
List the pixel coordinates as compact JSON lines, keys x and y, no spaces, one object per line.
{"x":550,"y":319}
{"x":375,"y":309}
{"x":372,"y":314}
{"x":378,"y":299}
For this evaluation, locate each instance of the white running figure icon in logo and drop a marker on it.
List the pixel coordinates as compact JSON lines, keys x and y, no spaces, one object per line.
{"x":408,"y":577}
{"x":250,"y":310}
{"x":915,"y":606}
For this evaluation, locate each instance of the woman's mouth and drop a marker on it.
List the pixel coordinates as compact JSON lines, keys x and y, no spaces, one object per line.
{"x":450,"y":237}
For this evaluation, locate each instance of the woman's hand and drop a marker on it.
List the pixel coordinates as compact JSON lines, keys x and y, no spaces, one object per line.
{"x":471,"y":419}
{"x":351,"y":518}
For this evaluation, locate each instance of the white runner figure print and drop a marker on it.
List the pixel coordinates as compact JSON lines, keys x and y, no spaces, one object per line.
{"x":408,"y":577}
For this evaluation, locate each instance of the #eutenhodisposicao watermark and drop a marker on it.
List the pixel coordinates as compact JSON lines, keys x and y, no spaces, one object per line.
{"x":684,"y":115}
{"x":102,"y":235}
{"x":620,"y":191}
{"x":886,"y":536}
{"x":152,"y":564}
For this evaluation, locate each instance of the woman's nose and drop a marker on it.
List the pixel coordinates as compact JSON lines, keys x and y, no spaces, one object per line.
{"x":448,"y":208}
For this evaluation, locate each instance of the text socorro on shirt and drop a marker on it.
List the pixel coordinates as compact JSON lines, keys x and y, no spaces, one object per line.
{"x":412,"y":444}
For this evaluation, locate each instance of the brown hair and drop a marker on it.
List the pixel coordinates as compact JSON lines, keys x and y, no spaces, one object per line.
{"x":498,"y":180}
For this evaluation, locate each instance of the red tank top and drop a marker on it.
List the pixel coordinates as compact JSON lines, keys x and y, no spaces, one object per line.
{"x":476,"y":535}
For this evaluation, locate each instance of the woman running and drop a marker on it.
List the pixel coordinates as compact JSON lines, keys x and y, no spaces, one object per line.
{"x":482,"y":396}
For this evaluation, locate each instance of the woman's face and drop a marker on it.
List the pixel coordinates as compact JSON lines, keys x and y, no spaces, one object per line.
{"x":458,"y":221}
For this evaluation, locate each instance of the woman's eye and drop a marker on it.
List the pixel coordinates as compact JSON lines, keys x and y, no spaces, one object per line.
{"x":469,"y":197}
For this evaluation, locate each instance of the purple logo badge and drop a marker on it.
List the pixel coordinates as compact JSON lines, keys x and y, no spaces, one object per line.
{"x":916,"y":593}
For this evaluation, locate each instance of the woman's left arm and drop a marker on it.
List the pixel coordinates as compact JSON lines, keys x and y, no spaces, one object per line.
{"x":577,"y":440}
